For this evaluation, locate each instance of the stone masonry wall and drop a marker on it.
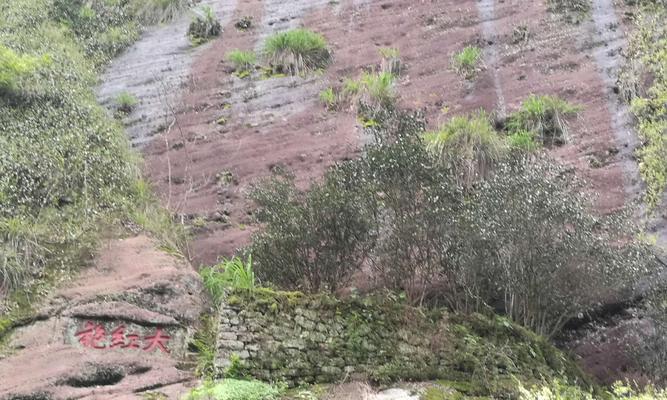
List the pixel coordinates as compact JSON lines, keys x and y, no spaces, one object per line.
{"x":289,"y":337}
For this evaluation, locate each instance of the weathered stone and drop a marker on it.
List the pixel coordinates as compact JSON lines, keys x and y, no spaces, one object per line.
{"x":231,"y":344}
{"x":226,"y":335}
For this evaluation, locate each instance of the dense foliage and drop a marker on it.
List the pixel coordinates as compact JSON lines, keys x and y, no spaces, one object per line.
{"x":523,"y":240}
{"x":643,"y":82}
{"x":65,"y":165}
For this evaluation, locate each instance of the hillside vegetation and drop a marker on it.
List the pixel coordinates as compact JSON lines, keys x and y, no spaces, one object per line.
{"x":66,"y":169}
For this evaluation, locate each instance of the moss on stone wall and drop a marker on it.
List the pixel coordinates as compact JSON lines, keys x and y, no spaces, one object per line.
{"x":299,"y":339}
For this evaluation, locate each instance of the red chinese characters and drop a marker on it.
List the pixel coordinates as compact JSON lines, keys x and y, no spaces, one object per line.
{"x":94,"y":336}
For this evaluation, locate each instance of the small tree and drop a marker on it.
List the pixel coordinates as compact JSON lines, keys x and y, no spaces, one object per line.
{"x":316,"y":240}
{"x":547,"y":254}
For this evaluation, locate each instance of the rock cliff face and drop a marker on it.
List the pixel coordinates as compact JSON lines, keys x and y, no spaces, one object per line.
{"x":117,"y":331}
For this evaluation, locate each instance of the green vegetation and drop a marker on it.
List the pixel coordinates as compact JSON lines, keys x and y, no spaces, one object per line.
{"x":469,"y":145}
{"x":158,"y":11}
{"x":543,"y":117}
{"x":125,"y":102}
{"x":561,"y":390}
{"x":233,"y":389}
{"x":228,"y":274}
{"x":244,"y":61}
{"x":14,"y":67}
{"x":205,"y":341}
{"x":298,"y":51}
{"x":399,"y":205}
{"x":379,"y":88}
{"x":204,"y":25}
{"x":329,"y":98}
{"x":66,"y":169}
{"x":467,"y":62}
{"x":643,"y":82}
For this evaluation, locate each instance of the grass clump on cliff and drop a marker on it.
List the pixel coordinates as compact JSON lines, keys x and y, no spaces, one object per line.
{"x":545,"y":118}
{"x":469,"y":145}
{"x":243,"y":61}
{"x":467,"y":62}
{"x":297,"y":52}
{"x":204,"y":25}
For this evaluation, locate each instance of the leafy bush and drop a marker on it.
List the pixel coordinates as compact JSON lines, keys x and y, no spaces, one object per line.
{"x":14,"y":67}
{"x":233,"y":389}
{"x":125,"y":102}
{"x":644,"y":84}
{"x":544,"y":116}
{"x":228,"y":274}
{"x":297,"y":51}
{"x":467,"y":62}
{"x":244,"y":61}
{"x":204,"y":25}
{"x":469,"y":145}
{"x":545,"y":255}
{"x":523,"y":239}
{"x":313,"y":241}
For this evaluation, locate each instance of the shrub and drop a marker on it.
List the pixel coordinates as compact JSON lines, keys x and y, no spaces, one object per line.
{"x":297,"y":51}
{"x":204,"y":25}
{"x":233,"y":389}
{"x":313,"y":241}
{"x":467,"y":62}
{"x":644,"y":83}
{"x":125,"y":102}
{"x":469,"y":145}
{"x":244,"y":61}
{"x":522,"y":239}
{"x":234,"y":274}
{"x":545,"y":254}
{"x":544,"y":116}
{"x":14,"y":67}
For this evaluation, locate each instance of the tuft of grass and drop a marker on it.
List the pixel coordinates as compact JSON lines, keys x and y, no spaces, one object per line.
{"x":523,"y":141}
{"x":379,"y":88}
{"x":468,"y":144}
{"x":329,"y":98}
{"x":151,"y":12}
{"x":229,"y":274}
{"x":467,"y":62}
{"x":126,"y":102}
{"x":297,"y":51}
{"x":244,"y":61}
{"x":544,"y":116}
{"x":204,"y":25}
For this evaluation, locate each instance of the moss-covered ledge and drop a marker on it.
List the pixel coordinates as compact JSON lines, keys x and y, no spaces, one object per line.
{"x":300,"y":339}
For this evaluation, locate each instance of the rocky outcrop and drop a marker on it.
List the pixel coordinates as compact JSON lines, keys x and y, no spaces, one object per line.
{"x":119,"y":330}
